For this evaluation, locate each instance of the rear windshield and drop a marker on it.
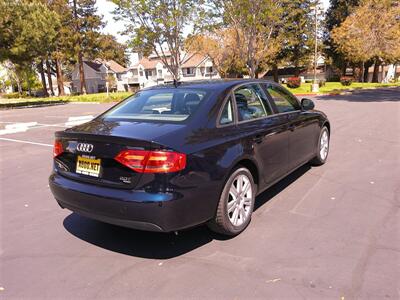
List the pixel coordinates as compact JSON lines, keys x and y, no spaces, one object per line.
{"x":159,"y":105}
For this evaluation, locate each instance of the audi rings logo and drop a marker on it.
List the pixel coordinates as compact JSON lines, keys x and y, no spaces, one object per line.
{"x":82,"y":147}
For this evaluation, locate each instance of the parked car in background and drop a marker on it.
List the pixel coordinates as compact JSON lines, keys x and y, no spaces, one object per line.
{"x":172,"y":157}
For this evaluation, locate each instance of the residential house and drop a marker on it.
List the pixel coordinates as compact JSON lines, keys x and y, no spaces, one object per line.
{"x":152,"y":71}
{"x":322,"y":73}
{"x":198,"y":66}
{"x":119,"y":72}
{"x":96,"y":76}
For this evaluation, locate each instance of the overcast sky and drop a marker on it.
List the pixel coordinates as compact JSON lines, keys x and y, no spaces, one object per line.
{"x":106,"y":7}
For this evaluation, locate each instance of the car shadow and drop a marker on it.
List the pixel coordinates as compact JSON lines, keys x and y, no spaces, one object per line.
{"x":154,"y":245}
{"x":372,"y":95}
{"x":280,"y":186}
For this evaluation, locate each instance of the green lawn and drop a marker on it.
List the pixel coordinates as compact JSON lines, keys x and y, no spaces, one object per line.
{"x":336,"y":87}
{"x":101,"y":97}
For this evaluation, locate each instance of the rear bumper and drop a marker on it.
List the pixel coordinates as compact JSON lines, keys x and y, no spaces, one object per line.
{"x":163,"y":212}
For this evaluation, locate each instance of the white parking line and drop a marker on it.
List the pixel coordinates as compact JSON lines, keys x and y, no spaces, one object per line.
{"x":25,"y":142}
{"x":73,"y":121}
{"x":17,"y":127}
{"x":21,"y":125}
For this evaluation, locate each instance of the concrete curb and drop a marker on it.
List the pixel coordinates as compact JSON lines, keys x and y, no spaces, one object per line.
{"x":8,"y":106}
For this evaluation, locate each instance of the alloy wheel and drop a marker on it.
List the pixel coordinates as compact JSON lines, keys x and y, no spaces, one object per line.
{"x":324,"y":145}
{"x":240,"y":200}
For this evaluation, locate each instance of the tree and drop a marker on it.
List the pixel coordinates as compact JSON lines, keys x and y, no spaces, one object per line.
{"x":63,"y":49}
{"x":110,"y":48}
{"x":371,"y":32}
{"x":156,"y":24}
{"x":112,"y":83}
{"x":337,"y":12}
{"x":254,"y":23}
{"x":87,"y":25}
{"x":221,"y":47}
{"x":27,"y":32}
{"x":297,"y":33}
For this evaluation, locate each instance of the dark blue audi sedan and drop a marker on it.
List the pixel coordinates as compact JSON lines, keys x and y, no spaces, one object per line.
{"x":172,"y":157}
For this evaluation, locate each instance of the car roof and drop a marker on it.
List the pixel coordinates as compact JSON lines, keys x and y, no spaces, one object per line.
{"x":212,"y":84}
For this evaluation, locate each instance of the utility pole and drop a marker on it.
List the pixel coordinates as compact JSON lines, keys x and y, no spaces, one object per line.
{"x":315,"y":85}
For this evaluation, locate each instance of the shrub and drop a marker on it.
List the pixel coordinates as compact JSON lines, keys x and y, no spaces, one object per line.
{"x":293,"y":82}
{"x":14,"y":95}
{"x":346,"y":81}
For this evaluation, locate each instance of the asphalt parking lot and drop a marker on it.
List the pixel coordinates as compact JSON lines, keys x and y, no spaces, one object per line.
{"x":330,"y":232}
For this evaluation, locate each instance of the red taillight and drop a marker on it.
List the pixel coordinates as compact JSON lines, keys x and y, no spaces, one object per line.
{"x":144,"y":161}
{"x":58,"y":148}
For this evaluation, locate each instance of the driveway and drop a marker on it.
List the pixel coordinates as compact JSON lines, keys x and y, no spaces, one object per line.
{"x":323,"y":232}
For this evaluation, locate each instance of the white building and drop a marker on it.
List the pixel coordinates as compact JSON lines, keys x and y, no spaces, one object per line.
{"x":152,"y":71}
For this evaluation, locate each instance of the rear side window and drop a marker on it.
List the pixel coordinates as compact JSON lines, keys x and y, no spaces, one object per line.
{"x":227,"y":113}
{"x":283,"y":100}
{"x":251,"y":102}
{"x":159,"y":105}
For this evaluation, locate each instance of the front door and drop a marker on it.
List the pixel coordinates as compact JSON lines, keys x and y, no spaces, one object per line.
{"x":301,"y":125}
{"x":264,"y":132}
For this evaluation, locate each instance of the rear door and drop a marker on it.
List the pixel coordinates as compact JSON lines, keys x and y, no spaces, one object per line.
{"x":265,"y":133}
{"x":301,"y":124}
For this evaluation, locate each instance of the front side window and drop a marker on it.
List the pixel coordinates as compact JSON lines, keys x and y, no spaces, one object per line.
{"x":250,"y":101}
{"x":284,"y":101}
{"x":159,"y":105}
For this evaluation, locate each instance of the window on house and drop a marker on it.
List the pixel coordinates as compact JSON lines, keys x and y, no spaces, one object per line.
{"x":209,"y":70}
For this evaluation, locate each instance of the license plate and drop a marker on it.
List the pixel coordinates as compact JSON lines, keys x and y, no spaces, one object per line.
{"x":88,"y":166}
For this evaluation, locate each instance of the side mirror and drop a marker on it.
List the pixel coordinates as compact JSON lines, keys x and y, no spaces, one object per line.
{"x":307,"y":104}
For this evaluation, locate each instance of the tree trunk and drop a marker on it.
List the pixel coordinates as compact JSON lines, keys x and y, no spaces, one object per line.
{"x":275,"y":72}
{"x":81,"y":74}
{"x":361,"y":75}
{"x":367,"y":65}
{"x":29,"y":84}
{"x":383,"y":76}
{"x":50,"y":81}
{"x":375,"y":76}
{"x":296,"y":69}
{"x":19,"y":86}
{"x":43,"y":78}
{"x":60,"y":83}
{"x":344,"y":68}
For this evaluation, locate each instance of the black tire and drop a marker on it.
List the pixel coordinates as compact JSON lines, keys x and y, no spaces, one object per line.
{"x":318,"y":160}
{"x":221,"y":223}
